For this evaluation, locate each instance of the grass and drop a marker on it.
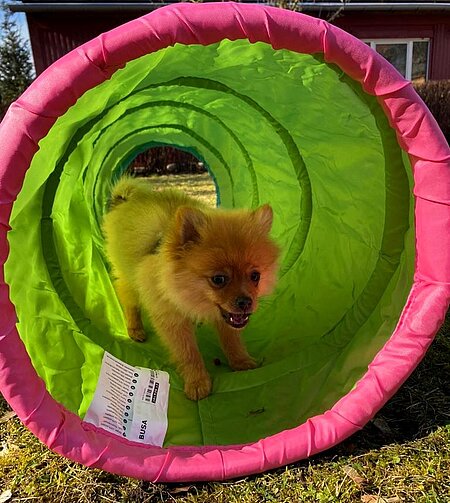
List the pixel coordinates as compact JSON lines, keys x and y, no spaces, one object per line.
{"x":402,"y":455}
{"x":200,"y":186}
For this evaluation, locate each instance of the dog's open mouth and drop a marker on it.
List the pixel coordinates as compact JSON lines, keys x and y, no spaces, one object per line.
{"x":235,"y":320}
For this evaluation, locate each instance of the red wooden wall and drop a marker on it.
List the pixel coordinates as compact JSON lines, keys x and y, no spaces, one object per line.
{"x":436,"y":27}
{"x":54,"y":34}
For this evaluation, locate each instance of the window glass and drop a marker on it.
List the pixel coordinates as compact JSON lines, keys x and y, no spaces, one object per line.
{"x":419,"y":61}
{"x":395,"y":54}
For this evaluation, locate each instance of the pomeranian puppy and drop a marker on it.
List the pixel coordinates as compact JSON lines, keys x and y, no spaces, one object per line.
{"x":183,"y":263}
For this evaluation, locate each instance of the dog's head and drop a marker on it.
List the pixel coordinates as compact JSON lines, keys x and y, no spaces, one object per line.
{"x":222,"y":262}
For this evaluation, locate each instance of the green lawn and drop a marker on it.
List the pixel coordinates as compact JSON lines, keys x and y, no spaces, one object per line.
{"x":402,"y":455}
{"x":201,"y":186}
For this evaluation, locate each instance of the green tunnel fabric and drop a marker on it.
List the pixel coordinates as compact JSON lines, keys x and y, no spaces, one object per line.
{"x":340,"y":193}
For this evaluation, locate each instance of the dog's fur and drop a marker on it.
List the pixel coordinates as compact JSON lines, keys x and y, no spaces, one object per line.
{"x":183,"y":262}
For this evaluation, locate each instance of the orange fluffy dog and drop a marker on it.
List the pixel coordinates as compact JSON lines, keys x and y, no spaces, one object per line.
{"x":183,"y":262}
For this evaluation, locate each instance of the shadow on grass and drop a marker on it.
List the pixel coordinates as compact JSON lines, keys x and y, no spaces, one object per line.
{"x":419,"y":407}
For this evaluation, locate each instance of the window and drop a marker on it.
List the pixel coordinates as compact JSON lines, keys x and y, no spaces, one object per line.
{"x":409,"y":56}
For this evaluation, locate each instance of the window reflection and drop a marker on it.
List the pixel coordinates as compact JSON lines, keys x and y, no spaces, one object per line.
{"x":409,"y":56}
{"x":420,"y":60}
{"x":395,"y":54}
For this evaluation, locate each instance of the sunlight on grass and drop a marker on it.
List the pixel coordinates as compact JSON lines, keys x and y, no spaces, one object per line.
{"x":200,"y":186}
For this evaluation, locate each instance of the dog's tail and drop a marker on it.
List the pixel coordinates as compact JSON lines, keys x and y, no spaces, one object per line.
{"x":126,"y":188}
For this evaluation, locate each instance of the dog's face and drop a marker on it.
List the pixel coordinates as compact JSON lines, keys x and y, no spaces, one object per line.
{"x":222,"y":262}
{"x":235,"y":292}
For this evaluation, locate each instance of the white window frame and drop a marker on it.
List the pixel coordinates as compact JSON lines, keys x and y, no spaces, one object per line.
{"x":373,"y":42}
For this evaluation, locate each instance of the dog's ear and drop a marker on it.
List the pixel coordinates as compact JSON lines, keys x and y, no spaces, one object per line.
{"x":264,"y":217}
{"x":189,"y":221}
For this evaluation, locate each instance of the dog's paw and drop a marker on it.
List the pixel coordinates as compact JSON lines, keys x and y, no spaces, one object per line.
{"x":247,"y":363}
{"x":198,"y":388}
{"x":137,"y":334}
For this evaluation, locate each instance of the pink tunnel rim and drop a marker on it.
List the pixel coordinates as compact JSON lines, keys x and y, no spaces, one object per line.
{"x":33,"y":114}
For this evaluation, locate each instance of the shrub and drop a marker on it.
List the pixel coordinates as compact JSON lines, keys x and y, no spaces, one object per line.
{"x":436,"y":95}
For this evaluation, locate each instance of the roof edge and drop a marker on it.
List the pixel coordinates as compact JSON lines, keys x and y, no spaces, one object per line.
{"x":30,"y":7}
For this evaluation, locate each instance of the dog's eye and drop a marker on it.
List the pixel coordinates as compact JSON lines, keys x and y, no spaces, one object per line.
{"x":219,"y":280}
{"x":255,"y":276}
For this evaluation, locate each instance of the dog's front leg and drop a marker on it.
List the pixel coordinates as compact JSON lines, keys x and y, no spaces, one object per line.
{"x":234,"y":348}
{"x":179,"y":338}
{"x":129,"y":300}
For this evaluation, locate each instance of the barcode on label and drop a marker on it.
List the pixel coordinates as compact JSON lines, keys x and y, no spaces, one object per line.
{"x":151,"y":393}
{"x":150,"y":389}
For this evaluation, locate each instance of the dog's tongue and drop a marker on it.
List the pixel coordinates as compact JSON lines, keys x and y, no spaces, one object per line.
{"x":236,"y":320}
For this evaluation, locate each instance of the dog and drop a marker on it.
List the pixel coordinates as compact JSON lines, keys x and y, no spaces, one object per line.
{"x":182,"y":263}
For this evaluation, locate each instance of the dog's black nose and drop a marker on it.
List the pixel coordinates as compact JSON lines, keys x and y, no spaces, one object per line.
{"x":243,"y":303}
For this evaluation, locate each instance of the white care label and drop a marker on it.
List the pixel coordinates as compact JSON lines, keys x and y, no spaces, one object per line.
{"x":130,"y":401}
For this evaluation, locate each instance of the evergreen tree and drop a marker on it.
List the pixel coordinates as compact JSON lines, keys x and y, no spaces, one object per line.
{"x":16,"y":69}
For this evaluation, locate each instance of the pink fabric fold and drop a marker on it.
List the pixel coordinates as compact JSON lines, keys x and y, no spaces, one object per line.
{"x":34,"y":113}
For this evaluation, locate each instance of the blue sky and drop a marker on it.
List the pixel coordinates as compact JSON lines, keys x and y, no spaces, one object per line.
{"x":21,"y":21}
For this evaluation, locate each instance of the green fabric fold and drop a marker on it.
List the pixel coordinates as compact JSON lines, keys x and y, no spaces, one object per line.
{"x":272,"y":126}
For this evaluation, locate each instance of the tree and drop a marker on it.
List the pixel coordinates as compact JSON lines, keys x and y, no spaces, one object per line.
{"x":16,"y":68}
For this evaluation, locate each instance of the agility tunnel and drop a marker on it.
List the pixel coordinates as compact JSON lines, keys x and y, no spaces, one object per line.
{"x":282,"y":108}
